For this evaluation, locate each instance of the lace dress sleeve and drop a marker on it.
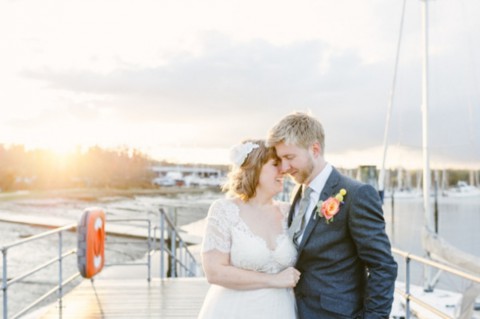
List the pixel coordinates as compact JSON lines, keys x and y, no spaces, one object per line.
{"x":218,"y":228}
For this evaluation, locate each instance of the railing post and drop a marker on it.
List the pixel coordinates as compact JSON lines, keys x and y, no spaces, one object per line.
{"x":187,"y":265}
{"x":185,"y":268}
{"x":178,"y":254}
{"x":191,"y":271}
{"x":181,"y":257}
{"x":4,"y":283}
{"x":173,"y":249}
{"x":194,"y":267}
{"x":149,"y":248}
{"x":60,"y":270}
{"x":184,"y":260}
{"x":162,"y":243}
{"x":407,"y":287}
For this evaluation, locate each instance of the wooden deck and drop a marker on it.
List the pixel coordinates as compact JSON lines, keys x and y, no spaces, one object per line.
{"x":121,"y":291}
{"x":133,"y":298}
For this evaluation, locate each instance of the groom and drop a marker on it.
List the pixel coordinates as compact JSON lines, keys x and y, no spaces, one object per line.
{"x":337,"y":223}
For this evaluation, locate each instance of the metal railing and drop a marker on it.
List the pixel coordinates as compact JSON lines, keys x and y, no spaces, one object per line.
{"x":410,"y":298}
{"x":176,"y":251}
{"x":149,"y":245}
{"x":6,"y":282}
{"x":171,"y":246}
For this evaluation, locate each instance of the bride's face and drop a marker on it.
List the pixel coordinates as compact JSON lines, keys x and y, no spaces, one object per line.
{"x":271,"y":178}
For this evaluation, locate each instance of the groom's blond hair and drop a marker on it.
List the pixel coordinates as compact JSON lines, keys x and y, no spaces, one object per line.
{"x":297,"y":129}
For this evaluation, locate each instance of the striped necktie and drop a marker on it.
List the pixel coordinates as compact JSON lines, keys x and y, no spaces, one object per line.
{"x":298,"y":222}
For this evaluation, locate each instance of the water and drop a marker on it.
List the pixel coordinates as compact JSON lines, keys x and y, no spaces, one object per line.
{"x":458,"y":224}
{"x":459,"y":221}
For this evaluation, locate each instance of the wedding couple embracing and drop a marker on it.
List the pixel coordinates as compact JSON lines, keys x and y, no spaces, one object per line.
{"x":323,"y":255}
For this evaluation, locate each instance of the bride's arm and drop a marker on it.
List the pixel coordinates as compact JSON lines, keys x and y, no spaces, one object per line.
{"x":219,"y":271}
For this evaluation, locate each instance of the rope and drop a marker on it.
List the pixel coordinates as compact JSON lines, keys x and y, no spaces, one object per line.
{"x":98,"y":299}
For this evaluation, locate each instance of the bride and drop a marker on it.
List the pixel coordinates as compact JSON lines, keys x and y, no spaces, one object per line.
{"x":247,"y":254}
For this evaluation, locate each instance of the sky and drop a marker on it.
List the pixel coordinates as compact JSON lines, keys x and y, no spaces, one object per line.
{"x":184,"y":80}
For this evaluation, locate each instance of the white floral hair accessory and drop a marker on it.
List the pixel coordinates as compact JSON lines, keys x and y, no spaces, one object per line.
{"x":239,"y":152}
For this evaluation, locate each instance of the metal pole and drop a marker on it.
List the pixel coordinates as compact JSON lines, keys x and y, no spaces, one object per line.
{"x":149,"y":247}
{"x":175,"y":216}
{"x":4,"y":284}
{"x":393,"y":212}
{"x":173,"y":248}
{"x":180,"y":257}
{"x":407,"y":288}
{"x":426,"y":162}
{"x":191,"y":268}
{"x":435,"y":205}
{"x":60,"y":275}
{"x":381,"y":178}
{"x":162,"y":244}
{"x":425,"y":140}
{"x":183,"y":256}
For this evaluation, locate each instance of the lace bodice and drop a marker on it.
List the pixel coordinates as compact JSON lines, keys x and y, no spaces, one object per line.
{"x":228,"y":233}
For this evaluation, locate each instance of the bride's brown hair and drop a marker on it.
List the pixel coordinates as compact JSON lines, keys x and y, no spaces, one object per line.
{"x":242,"y":181}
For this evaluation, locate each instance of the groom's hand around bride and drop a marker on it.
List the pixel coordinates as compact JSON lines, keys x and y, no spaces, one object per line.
{"x":287,"y":278}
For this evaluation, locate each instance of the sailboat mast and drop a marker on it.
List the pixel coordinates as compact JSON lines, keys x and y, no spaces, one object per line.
{"x":381,"y":179}
{"x":426,"y":158}
{"x":425,"y":140}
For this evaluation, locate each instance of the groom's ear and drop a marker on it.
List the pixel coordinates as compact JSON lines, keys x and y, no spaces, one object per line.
{"x":316,"y":149}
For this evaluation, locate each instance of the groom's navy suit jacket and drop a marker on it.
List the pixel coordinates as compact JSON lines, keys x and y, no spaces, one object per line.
{"x":347,"y":267}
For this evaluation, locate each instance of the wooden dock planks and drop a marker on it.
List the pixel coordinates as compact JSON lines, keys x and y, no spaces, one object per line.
{"x":133,"y":298}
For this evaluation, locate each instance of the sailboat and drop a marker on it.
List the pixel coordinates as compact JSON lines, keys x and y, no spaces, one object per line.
{"x":435,"y":247}
{"x":462,"y":189}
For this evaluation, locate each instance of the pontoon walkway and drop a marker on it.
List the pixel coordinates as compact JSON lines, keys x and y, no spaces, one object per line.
{"x":124,"y":292}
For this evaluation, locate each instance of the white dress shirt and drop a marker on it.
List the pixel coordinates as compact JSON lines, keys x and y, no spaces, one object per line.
{"x":316,"y":185}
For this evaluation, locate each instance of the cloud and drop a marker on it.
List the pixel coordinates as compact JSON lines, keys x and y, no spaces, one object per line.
{"x":241,"y":90}
{"x":231,"y":84}
{"x":224,"y":84}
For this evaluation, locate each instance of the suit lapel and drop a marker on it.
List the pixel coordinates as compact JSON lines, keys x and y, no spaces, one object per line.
{"x":327,"y":191}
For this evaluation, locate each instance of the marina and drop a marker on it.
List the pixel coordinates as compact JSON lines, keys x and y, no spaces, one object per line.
{"x":126,"y":241}
{"x":185,"y":294}
{"x":116,"y":134}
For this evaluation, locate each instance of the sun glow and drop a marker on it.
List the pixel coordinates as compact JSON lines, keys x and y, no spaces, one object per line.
{"x":178,"y":82}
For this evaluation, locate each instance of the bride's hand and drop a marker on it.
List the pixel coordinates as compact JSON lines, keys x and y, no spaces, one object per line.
{"x":287,"y":278}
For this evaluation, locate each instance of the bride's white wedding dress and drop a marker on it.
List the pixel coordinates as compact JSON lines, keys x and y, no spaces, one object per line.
{"x":228,"y":233}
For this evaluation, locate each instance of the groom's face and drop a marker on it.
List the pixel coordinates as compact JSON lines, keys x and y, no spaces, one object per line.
{"x":296,"y":161}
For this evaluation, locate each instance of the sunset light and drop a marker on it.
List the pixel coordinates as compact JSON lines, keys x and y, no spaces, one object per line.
{"x":181,"y":78}
{"x":214,"y":134}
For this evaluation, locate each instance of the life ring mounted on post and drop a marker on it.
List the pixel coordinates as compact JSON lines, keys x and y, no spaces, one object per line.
{"x":91,"y":242}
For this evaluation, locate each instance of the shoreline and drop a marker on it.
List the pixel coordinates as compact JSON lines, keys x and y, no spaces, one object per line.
{"x":56,"y":208}
{"x":93,"y":194}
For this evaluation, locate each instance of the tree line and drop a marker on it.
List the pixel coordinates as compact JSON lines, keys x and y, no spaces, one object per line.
{"x":94,"y":167}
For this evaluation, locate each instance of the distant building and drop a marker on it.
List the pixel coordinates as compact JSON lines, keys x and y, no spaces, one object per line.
{"x":188,"y":176}
{"x":368,"y":175}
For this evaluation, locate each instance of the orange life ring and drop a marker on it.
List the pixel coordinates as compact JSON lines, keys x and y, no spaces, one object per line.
{"x":91,"y":242}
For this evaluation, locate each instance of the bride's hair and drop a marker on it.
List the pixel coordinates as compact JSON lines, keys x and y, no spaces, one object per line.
{"x":243,"y":180}
{"x":297,"y":129}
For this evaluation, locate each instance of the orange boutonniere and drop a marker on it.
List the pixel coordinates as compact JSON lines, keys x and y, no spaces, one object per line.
{"x":330,"y":207}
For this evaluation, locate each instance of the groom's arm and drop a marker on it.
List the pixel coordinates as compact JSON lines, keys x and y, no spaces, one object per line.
{"x":367,"y":227}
